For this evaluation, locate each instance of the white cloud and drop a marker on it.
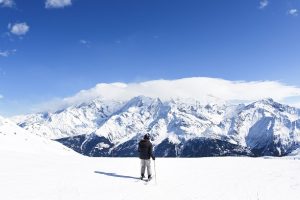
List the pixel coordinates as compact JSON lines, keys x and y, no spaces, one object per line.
{"x":7,"y":53}
{"x":85,"y":43}
{"x":201,"y":88}
{"x":7,"y":3}
{"x":4,"y":53}
{"x":57,"y":3}
{"x":1,"y":96}
{"x":293,"y":12}
{"x":18,"y":28}
{"x":263,"y":4}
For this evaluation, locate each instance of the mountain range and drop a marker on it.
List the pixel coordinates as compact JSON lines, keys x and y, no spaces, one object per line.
{"x":178,"y":127}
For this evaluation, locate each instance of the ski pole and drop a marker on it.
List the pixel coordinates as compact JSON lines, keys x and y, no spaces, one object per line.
{"x":155,"y":173}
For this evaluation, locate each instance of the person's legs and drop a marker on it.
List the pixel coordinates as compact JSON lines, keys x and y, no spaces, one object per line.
{"x":148,"y":163}
{"x":143,"y":167}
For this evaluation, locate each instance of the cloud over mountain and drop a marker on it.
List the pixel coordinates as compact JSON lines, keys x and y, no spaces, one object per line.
{"x":201,"y":88}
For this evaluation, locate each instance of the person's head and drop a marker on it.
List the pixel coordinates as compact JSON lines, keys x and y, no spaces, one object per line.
{"x":147,"y":136}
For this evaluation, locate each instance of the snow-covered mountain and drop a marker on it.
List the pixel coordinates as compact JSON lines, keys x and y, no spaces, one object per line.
{"x":75,"y":120}
{"x":181,"y":127}
{"x":268,"y":128}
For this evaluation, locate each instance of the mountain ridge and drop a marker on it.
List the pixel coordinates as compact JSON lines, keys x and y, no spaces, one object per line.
{"x":186,"y":127}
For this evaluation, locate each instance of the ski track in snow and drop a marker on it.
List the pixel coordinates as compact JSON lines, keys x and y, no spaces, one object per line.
{"x":34,"y":176}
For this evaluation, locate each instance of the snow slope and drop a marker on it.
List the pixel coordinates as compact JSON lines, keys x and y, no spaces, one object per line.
{"x":34,"y":178}
{"x":17,"y":140}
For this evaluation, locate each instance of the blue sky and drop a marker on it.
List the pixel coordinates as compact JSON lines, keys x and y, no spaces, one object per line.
{"x":56,"y":50}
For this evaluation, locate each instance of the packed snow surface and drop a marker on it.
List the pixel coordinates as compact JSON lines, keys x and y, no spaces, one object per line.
{"x":29,"y":176}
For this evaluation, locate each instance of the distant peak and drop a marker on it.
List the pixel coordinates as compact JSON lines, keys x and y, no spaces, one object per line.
{"x":266,"y":101}
{"x":144,"y":99}
{"x":269,"y":100}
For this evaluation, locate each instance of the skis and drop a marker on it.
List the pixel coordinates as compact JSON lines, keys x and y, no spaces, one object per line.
{"x":146,"y":181}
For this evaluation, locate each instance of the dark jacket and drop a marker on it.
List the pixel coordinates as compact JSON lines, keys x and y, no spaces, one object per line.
{"x":145,"y":149}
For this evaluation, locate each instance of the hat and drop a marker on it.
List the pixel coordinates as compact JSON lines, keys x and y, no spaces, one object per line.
{"x":147,"y":136}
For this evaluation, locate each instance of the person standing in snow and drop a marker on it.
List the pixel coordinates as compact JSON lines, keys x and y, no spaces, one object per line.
{"x":145,"y":152}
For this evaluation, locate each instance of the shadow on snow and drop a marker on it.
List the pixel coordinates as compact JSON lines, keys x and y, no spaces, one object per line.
{"x":115,"y":175}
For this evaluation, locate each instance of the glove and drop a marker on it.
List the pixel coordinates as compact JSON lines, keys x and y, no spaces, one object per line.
{"x":153,"y":158}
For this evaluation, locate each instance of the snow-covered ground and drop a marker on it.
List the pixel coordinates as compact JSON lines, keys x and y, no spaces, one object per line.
{"x":29,"y":176}
{"x":35,"y":168}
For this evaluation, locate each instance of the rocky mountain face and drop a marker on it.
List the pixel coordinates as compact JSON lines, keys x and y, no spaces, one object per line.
{"x":181,"y":127}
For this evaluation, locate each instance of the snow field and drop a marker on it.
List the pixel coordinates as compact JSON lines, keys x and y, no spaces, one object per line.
{"x":33,"y":176}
